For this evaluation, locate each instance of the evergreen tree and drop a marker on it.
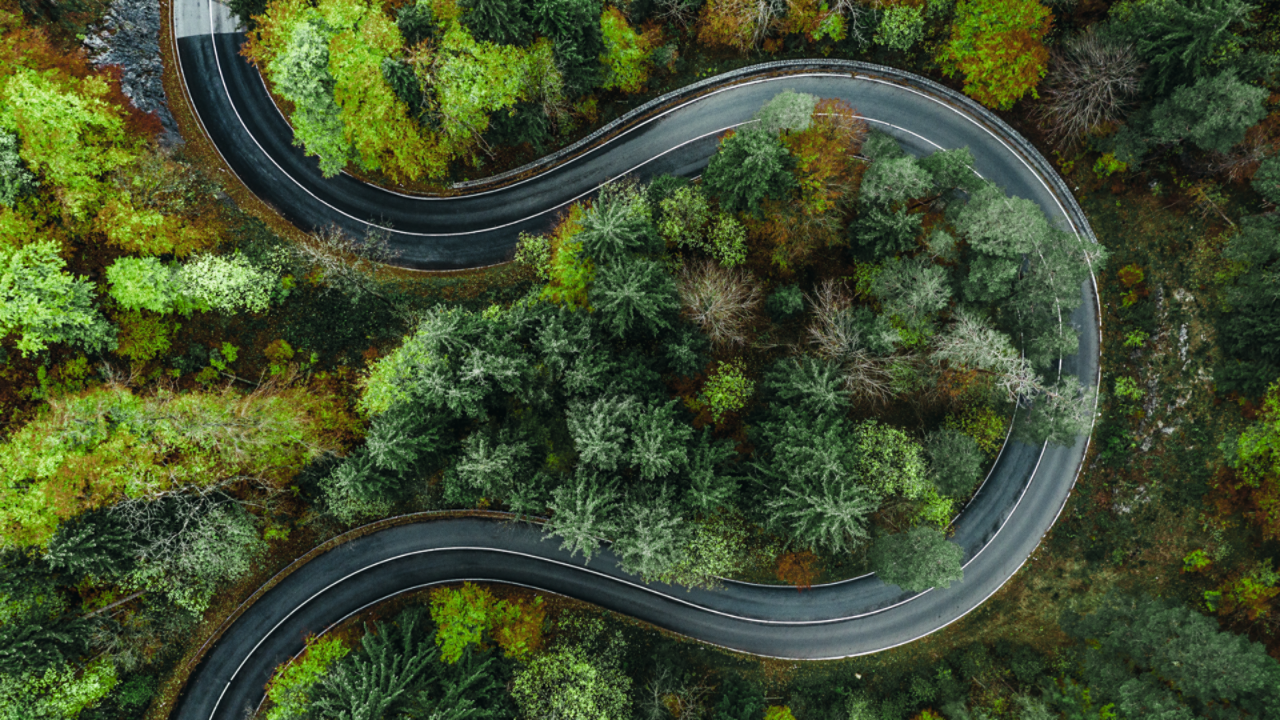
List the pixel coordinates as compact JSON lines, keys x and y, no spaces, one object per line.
{"x":582,"y":510}
{"x":816,"y":385}
{"x":1214,"y":113}
{"x":574,"y":27}
{"x":497,"y":21}
{"x":97,"y":543}
{"x":711,"y":487}
{"x":600,"y":430}
{"x":490,"y":466}
{"x":617,"y":226}
{"x":637,"y":295}
{"x":659,"y":441}
{"x":1182,"y":41}
{"x":651,"y":543}
{"x":373,"y":682}
{"x":1266,"y":181}
{"x":917,"y":560}
{"x":1150,"y":656}
{"x":752,"y":165}
{"x":955,"y":462}
{"x":739,"y":700}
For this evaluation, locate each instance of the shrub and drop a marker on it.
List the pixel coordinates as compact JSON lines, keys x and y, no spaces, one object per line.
{"x":727,"y":390}
{"x":981,"y":423}
{"x":144,"y":336}
{"x":998,"y":46}
{"x":571,"y":683}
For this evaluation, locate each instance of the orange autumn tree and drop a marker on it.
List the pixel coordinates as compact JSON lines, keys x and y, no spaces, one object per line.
{"x":998,"y":46}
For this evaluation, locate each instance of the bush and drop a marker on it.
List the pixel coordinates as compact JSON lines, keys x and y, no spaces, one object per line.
{"x":998,"y":46}
{"x":626,"y":53}
{"x":570,"y":683}
{"x":727,"y":390}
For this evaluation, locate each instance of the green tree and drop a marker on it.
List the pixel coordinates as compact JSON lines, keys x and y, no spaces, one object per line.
{"x":739,"y":700}
{"x":999,"y":230}
{"x":626,"y":53}
{"x":290,"y":686}
{"x":582,"y":513}
{"x":146,"y":283}
{"x":489,"y":467}
{"x":637,"y":295}
{"x":1266,"y":181}
{"x":998,"y":46}
{"x":1183,"y":41}
{"x":15,"y":179}
{"x":617,"y":226}
{"x":1214,"y":113}
{"x":1150,"y":656}
{"x":600,"y":429}
{"x":889,"y":461}
{"x":901,"y":26}
{"x":574,"y":27}
{"x":43,"y":304}
{"x":659,"y":441}
{"x":497,"y":21}
{"x":97,"y":544}
{"x":788,"y":111}
{"x":816,"y":385}
{"x":727,"y":390}
{"x":301,"y":75}
{"x":229,"y":283}
{"x":373,"y":682}
{"x":750,"y":166}
{"x":917,"y":560}
{"x":955,"y":462}
{"x":911,"y":292}
{"x":651,"y":540}
{"x":685,"y":214}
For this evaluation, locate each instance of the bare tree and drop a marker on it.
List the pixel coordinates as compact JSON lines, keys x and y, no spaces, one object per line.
{"x":720,"y":300}
{"x":1092,"y":82}
{"x":837,"y":337}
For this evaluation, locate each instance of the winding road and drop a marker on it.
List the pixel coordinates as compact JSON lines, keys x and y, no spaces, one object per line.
{"x":999,"y":530}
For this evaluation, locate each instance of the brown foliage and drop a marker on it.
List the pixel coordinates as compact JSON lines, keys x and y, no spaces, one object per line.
{"x":798,"y":568}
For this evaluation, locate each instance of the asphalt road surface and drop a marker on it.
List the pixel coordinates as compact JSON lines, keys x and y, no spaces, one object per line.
{"x":999,"y":530}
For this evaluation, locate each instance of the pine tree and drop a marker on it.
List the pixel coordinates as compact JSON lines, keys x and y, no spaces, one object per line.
{"x":635,"y":296}
{"x":659,"y":441}
{"x":582,"y":513}
{"x":751,"y":166}
{"x":370,"y":684}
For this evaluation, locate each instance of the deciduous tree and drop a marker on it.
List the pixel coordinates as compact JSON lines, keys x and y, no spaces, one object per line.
{"x":917,"y":560}
{"x":998,"y":46}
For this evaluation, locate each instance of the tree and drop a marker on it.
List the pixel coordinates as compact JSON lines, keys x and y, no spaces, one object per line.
{"x":955,"y":462}
{"x":739,"y":700}
{"x":229,"y":283}
{"x":901,"y":26}
{"x":97,"y":544}
{"x":191,"y":564}
{"x":727,"y":390}
{"x":998,"y":45}
{"x":44,"y":304}
{"x":750,"y":166}
{"x":146,"y":283}
{"x":1214,"y":113}
{"x":816,"y":385}
{"x":658,"y":441}
{"x":490,"y":467}
{"x":917,"y":560}
{"x":582,"y":512}
{"x":637,"y":295}
{"x":15,"y":179}
{"x":888,"y":460}
{"x":911,"y":292}
{"x":300,"y":73}
{"x":291,"y":685}
{"x":617,"y":226}
{"x":788,"y":111}
{"x":652,"y":540}
{"x":1146,"y":654}
{"x":371,"y":683}
{"x":626,"y":53}
{"x":1266,"y":181}
{"x":1092,"y":82}
{"x":71,"y":134}
{"x":1182,"y":41}
{"x":574,"y":27}
{"x":504,"y":22}
{"x":973,"y":342}
{"x":569,"y":683}
{"x":600,"y":429}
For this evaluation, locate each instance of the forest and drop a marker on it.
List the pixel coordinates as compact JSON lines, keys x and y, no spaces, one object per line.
{"x":795,"y":369}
